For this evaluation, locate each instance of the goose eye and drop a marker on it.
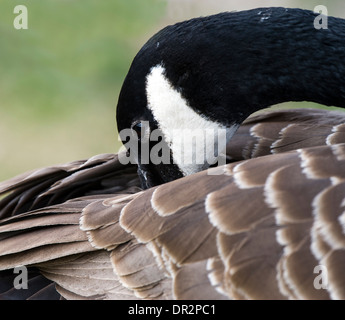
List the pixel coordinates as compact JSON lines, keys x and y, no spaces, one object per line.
{"x":137,"y":127}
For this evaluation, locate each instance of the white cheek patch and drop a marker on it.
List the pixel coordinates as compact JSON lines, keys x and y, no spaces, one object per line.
{"x":195,"y":141}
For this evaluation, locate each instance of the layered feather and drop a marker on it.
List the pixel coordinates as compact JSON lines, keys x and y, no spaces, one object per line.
{"x":257,"y":231}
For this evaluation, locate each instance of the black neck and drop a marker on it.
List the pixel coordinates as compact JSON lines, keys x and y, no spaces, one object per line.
{"x":250,"y":60}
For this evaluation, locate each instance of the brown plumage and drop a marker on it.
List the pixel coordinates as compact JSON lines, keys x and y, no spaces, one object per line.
{"x":256,"y":231}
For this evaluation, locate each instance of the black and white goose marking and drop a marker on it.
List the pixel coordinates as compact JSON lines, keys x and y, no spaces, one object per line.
{"x":256,"y":231}
{"x":177,"y":120}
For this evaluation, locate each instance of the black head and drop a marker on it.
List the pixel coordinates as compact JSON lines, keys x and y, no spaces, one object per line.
{"x":213,"y":72}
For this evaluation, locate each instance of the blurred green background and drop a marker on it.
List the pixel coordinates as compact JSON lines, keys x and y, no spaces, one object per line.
{"x":60,"y":78}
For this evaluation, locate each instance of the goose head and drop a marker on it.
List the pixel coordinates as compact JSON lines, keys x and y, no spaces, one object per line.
{"x":193,"y":83}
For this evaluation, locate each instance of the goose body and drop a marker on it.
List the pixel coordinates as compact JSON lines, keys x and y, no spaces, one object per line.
{"x":255,"y":228}
{"x":88,"y":242}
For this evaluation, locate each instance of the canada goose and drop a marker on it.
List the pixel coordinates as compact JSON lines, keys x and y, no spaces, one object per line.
{"x":258,"y":230}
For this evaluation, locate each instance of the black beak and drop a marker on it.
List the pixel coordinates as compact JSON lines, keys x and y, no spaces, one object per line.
{"x":153,"y":168}
{"x":148,"y":176}
{"x":156,"y":169}
{"x":152,"y":175}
